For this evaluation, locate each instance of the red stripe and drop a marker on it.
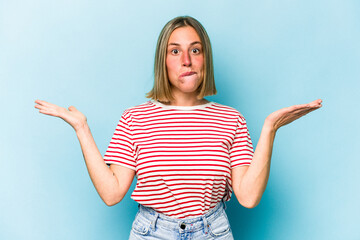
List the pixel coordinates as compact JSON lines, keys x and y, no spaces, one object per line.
{"x":187,"y":179}
{"x":184,"y":143}
{"x":196,"y":124}
{"x":176,"y":184}
{"x":183,"y":174}
{"x":192,"y":157}
{"x":149,"y":137}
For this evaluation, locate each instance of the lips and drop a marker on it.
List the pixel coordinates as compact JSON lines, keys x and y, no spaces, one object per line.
{"x":186,"y":74}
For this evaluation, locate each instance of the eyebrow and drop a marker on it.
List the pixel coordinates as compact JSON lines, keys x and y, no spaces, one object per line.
{"x":177,"y":44}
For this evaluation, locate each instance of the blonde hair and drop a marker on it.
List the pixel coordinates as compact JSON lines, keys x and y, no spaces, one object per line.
{"x":162,"y":90}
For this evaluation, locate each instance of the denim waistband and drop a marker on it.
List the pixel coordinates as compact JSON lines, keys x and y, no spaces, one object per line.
{"x":182,"y":225}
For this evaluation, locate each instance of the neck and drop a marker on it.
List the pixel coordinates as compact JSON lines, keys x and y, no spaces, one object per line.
{"x":186,"y":99}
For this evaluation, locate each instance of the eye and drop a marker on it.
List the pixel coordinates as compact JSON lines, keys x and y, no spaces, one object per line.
{"x":175,"y":51}
{"x":195,"y":50}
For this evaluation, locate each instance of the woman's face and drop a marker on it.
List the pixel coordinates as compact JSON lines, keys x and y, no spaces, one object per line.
{"x":185,"y":60}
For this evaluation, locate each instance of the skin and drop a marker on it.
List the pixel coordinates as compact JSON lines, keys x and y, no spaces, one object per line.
{"x":184,"y":55}
{"x":184,"y":63}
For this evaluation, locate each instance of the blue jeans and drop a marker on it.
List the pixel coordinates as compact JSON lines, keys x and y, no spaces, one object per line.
{"x":149,"y":224}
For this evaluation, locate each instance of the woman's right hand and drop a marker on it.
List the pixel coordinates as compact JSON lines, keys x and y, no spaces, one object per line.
{"x":72,"y":116}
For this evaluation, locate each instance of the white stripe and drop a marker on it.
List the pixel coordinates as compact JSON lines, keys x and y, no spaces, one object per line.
{"x":160,"y":138}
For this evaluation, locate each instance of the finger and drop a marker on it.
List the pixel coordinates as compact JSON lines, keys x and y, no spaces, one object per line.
{"x":43,"y":107}
{"x":306,"y":107}
{"x":39,"y":106}
{"x":303,"y":111}
{"x":314,"y":105}
{"x":44,"y":103}
{"x":291,"y":119}
{"x":41,"y":102}
{"x":317,"y":103}
{"x":294,"y":108}
{"x":48,"y":112}
{"x":300,"y":112}
{"x":72,"y":108}
{"x":46,"y":109}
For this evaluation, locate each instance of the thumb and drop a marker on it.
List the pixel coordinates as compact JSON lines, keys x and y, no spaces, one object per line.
{"x":72,"y":109}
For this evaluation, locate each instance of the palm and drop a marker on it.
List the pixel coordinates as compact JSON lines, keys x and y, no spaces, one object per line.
{"x":72,"y":116}
{"x":287,"y":115}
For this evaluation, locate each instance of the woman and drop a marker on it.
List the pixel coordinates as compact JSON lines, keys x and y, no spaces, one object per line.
{"x":188,"y":154}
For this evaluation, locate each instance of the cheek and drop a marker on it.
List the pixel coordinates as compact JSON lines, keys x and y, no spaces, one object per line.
{"x":170,"y":66}
{"x":200,"y":62}
{"x":201,"y":67}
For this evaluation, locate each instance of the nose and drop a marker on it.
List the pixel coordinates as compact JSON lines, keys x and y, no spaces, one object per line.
{"x":186,"y":59}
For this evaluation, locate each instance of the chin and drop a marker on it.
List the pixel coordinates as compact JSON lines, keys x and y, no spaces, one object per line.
{"x":189,"y":90}
{"x":187,"y":87}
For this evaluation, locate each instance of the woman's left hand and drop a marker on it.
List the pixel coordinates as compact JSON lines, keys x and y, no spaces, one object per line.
{"x":287,"y":115}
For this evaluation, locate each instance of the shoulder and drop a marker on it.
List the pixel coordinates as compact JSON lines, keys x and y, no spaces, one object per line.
{"x":139,"y":109}
{"x":226,"y":110}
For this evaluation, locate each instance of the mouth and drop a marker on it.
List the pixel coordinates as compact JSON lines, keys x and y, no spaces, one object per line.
{"x":186,"y":74}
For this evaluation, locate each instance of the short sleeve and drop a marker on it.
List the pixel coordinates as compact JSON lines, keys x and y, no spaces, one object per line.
{"x":241,"y":151}
{"x":121,"y":148}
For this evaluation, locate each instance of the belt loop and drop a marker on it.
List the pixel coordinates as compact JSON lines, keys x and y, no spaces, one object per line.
{"x":206,"y":226}
{"x":153,"y":223}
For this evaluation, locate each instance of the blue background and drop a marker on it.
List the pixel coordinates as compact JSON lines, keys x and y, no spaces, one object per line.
{"x":98,"y":56}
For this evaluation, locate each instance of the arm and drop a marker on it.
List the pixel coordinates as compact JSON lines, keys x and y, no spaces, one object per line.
{"x":111,"y":183}
{"x":249,"y":182}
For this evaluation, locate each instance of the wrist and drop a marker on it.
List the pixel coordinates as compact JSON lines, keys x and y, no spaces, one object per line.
{"x":84,"y":127}
{"x":269,"y":127}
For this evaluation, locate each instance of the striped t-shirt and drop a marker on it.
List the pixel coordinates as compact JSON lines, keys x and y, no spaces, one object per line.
{"x":182,"y":155}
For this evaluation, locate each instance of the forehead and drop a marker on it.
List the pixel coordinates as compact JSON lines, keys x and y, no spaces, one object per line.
{"x":184,"y":35}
